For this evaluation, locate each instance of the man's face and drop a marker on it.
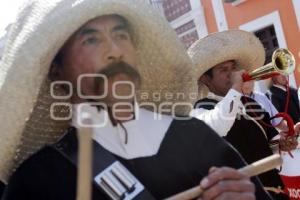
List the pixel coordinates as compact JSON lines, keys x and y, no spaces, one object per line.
{"x":95,"y":47}
{"x":220,"y":82}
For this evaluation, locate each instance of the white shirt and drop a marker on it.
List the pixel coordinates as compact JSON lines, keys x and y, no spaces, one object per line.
{"x":145,"y":133}
{"x":267,"y":105}
{"x":223,"y":116}
{"x":280,"y":87}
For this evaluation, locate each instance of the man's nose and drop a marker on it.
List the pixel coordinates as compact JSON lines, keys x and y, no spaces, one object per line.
{"x":115,"y":52}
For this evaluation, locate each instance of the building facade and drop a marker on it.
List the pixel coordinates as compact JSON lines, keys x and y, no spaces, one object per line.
{"x":185,"y":16}
{"x":275,"y":22}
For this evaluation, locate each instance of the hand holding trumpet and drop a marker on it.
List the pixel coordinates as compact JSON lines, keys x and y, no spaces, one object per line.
{"x":237,"y":80}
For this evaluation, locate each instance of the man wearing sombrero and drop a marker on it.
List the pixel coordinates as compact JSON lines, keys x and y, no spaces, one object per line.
{"x":106,"y":58}
{"x":239,"y":119}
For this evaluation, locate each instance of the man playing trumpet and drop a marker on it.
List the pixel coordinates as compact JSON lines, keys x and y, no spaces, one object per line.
{"x":221,"y":59}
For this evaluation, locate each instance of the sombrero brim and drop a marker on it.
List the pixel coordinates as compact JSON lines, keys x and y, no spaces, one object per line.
{"x":37,"y":35}
{"x":241,"y":46}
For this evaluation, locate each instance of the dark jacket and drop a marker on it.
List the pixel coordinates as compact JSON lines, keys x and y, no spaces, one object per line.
{"x":187,"y":152}
{"x":250,"y":137}
{"x":278,"y":98}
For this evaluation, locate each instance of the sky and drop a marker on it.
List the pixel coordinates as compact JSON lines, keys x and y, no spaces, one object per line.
{"x":8,"y":11}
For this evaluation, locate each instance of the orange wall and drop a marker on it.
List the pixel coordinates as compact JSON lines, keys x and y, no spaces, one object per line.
{"x":209,"y":16}
{"x":252,"y":9}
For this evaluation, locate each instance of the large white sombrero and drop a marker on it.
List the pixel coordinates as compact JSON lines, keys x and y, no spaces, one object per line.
{"x":3,"y":39}
{"x":241,"y":46}
{"x":40,"y":30}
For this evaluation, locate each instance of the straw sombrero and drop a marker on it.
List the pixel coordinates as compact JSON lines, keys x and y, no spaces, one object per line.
{"x":241,"y":46}
{"x":40,"y":30}
{"x":2,"y":44}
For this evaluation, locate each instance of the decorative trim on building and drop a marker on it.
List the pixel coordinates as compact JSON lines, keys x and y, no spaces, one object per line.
{"x":199,"y":18}
{"x":197,"y":15}
{"x":158,"y":5}
{"x":296,"y":4}
{"x":220,"y":16}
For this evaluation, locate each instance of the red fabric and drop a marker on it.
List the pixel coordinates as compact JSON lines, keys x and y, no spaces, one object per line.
{"x":247,"y":77}
{"x":292,"y":186}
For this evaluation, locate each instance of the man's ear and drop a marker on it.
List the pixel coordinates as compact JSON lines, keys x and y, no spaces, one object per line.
{"x":55,"y":72}
{"x":204,"y":79}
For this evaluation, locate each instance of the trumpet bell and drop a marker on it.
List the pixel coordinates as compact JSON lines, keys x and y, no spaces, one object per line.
{"x":283,"y":62}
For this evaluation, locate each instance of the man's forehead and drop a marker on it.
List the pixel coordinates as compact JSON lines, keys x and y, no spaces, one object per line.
{"x":94,"y":26}
{"x":225,"y":64}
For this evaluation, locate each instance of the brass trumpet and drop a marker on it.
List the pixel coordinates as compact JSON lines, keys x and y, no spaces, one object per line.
{"x":283,"y":62}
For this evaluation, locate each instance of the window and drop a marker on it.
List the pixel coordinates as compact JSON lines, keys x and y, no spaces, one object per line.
{"x":269,"y":39}
{"x":189,"y":38}
{"x":175,"y":9}
{"x":185,"y":27}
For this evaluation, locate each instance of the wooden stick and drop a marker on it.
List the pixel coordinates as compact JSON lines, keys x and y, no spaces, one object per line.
{"x":84,"y":172}
{"x":253,"y":169}
{"x":262,"y":166}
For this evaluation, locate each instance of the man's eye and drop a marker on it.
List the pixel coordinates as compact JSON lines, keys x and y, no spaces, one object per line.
{"x":92,"y":40}
{"x":122,"y":36}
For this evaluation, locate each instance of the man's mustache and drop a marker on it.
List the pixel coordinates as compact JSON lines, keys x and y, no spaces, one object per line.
{"x":115,"y":69}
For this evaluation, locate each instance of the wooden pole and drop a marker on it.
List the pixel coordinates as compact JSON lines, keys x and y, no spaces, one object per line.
{"x":253,"y":169}
{"x":84,"y":172}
